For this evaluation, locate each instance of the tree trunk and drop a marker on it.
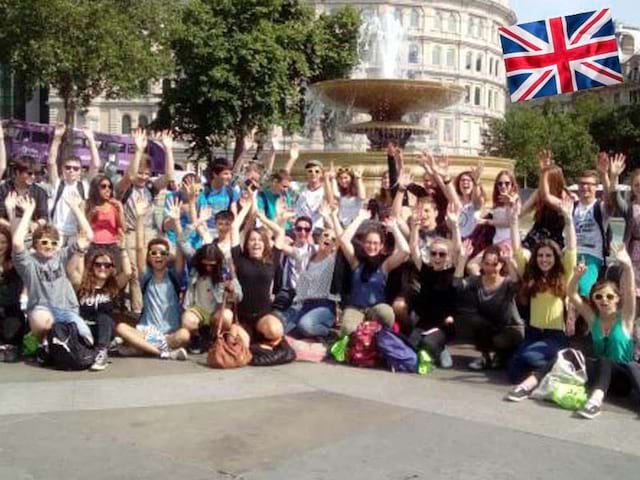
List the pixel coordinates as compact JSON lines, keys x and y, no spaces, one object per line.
{"x":238,"y":148}
{"x":69,"y":117}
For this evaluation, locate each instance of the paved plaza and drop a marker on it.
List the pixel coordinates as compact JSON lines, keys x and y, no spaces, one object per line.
{"x":149,"y":419}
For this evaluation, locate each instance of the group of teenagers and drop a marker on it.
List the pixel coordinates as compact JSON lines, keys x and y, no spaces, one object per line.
{"x":296,"y":266}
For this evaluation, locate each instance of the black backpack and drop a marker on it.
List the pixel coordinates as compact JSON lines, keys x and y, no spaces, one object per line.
{"x":67,"y":349}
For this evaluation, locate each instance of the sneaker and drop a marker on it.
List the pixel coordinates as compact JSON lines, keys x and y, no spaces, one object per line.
{"x":518,"y":394}
{"x":445,"y":359}
{"x":590,"y":410}
{"x":196,"y":345}
{"x":115,"y":344}
{"x":101,"y":361}
{"x":177,"y":354}
{"x":479,"y":363}
{"x":8,"y":353}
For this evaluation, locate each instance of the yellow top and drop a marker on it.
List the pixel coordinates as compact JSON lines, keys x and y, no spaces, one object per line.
{"x":547,"y":309}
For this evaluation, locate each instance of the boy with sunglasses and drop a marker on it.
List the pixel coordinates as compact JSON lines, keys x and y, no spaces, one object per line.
{"x":23,"y":184}
{"x":312,"y":195}
{"x":70,"y":184}
{"x":44,"y":272}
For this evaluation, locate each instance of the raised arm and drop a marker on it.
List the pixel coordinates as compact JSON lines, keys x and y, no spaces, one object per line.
{"x":74,"y":201}
{"x":583,"y":308}
{"x":570,"y":241}
{"x":463,"y":257}
{"x":246,"y":202}
{"x":28,"y":206}
{"x":477,"y":195}
{"x":545,"y":161}
{"x":414,"y":242}
{"x":617,"y":165}
{"x":54,"y":149}
{"x":140,"y":210}
{"x":440,"y":171}
{"x":294,"y":154}
{"x":278,"y":232}
{"x":140,"y":139}
{"x":401,"y":250}
{"x":94,"y":166}
{"x":330,"y":185}
{"x":124,"y":276}
{"x":3,"y":153}
{"x":345,"y":239}
{"x":166,"y":140}
{"x":404,"y":180}
{"x":361,"y":191}
{"x":10,"y":207}
{"x":627,"y":287}
{"x":514,"y":220}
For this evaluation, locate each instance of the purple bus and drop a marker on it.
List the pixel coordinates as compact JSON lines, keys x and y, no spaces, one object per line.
{"x":33,"y":140}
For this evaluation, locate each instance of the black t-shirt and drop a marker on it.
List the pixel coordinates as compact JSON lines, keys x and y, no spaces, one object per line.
{"x":437,"y":297}
{"x":255,"y":277}
{"x":10,"y":289}
{"x":95,"y":303}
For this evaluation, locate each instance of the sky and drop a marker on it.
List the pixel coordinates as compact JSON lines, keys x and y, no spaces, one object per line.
{"x":625,"y":11}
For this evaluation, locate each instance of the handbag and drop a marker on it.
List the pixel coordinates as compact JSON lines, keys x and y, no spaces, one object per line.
{"x":228,"y":350}
{"x":568,"y":369}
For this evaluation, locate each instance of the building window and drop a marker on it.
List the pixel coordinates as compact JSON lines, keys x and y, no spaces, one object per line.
{"x":490,"y":99}
{"x":471,"y":25}
{"x":447,"y":134}
{"x":467,"y":94}
{"x":126,"y":124}
{"x":166,"y":85}
{"x":436,"y":54}
{"x":481,"y":32}
{"x":452,"y":23}
{"x":415,"y":18}
{"x":397,"y":14}
{"x":469,"y":61}
{"x":437,"y":21}
{"x":414,"y":54}
{"x":477,"y":97}
{"x":143,"y":121}
{"x":451,"y":57}
{"x":479,"y":63}
{"x":434,"y":128}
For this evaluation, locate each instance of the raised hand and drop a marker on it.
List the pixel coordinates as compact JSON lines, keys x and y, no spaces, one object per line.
{"x":545,"y":160}
{"x":453,"y":214}
{"x":26,"y":204}
{"x":617,"y":164}
{"x":58,"y":131}
{"x":513,"y":212}
{"x":10,"y":201}
{"x":357,"y":172}
{"x":205,"y":214}
{"x":390,"y":222}
{"x":191,"y":188}
{"x":174,"y":208}
{"x":476,"y":172}
{"x":441,"y":165}
{"x":332,"y":171}
{"x":567,"y":207}
{"x":88,"y":134}
{"x":621,"y":253}
{"x":246,"y":199}
{"x":166,"y":139}
{"x":140,"y":138}
{"x":426,"y":160}
{"x":294,"y":151}
{"x":580,"y":269}
{"x":467,"y":248}
{"x":405,"y":178}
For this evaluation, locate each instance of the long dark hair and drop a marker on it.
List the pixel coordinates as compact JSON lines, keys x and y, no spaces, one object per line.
{"x":94,"y":199}
{"x":536,"y":281}
{"x":6,"y":232}
{"x":351,"y":190}
{"x":496,"y":190}
{"x":88,"y":284}
{"x":267,"y":257}
{"x":370,"y":264}
{"x":211,"y":253}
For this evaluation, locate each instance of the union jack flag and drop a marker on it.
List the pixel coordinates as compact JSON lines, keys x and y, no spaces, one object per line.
{"x":561,"y":55}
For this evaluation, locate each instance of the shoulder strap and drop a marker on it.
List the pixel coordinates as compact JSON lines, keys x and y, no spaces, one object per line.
{"x":80,"y":186}
{"x":58,"y":196}
{"x":229,"y":190}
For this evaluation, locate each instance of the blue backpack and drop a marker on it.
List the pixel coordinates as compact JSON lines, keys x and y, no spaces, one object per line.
{"x":397,"y":355}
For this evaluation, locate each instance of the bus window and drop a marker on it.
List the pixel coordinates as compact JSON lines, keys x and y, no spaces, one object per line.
{"x":40,"y":137}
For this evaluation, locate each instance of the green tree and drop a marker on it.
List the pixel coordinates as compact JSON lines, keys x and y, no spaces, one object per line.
{"x":87,"y":48}
{"x":243,"y":65}
{"x":527,"y":129}
{"x":618,"y":130}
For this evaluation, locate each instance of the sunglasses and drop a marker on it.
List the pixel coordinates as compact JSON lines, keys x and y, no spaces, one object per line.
{"x":303,"y":229}
{"x":106,"y":186}
{"x":599,"y":296}
{"x":103,"y":265}
{"x":45,"y":242}
{"x":31,"y":173}
{"x":70,"y":168}
{"x":504,"y":184}
{"x":158,"y":253}
{"x":344,"y":170}
{"x":439,"y":253}
{"x":313,"y":170}
{"x":329,"y":237}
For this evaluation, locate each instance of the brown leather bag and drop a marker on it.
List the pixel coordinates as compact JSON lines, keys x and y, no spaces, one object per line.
{"x":227,"y":349}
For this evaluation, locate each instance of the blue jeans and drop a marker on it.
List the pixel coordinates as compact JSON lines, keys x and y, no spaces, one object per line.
{"x":61,"y":315}
{"x":537,"y":349}
{"x":312,"y":318}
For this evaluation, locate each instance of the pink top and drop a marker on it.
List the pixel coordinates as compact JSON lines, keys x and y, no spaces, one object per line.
{"x":105,"y":226}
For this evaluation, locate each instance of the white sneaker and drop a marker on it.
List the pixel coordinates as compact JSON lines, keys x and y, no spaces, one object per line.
{"x":179,"y":354}
{"x":101,"y":362}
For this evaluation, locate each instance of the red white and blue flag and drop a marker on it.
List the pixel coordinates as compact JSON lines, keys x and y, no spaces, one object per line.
{"x":561,"y":55}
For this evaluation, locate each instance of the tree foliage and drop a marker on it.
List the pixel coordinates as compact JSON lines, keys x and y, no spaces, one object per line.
{"x":243,"y":65}
{"x":527,"y":129}
{"x":618,"y":130}
{"x":87,"y":48}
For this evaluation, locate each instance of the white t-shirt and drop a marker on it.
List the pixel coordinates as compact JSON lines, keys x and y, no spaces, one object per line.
{"x":503,"y":234}
{"x":348,"y":209}
{"x":63,"y":218}
{"x":467,"y":220}
{"x":588,"y":232}
{"x":309,"y":203}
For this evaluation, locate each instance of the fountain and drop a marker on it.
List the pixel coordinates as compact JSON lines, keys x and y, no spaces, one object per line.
{"x":385,"y":97}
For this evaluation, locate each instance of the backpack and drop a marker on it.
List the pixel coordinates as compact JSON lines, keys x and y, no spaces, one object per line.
{"x":397,"y":355}
{"x":61,"y":185}
{"x":362,"y":350}
{"x":607,"y":234}
{"x":67,"y":349}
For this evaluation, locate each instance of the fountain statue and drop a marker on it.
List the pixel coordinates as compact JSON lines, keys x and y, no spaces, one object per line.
{"x":384,"y":94}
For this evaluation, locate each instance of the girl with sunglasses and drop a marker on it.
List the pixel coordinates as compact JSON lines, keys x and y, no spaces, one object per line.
{"x":610,"y":313}
{"x":97,"y":293}
{"x":105,"y":213}
{"x":347,"y":186}
{"x":435,"y":304}
{"x":545,"y":276}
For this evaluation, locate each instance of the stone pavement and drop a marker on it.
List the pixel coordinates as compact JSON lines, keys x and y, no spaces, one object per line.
{"x":149,"y":419}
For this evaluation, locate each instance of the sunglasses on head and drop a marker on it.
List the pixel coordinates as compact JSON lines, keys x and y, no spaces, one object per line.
{"x":158,"y":253}
{"x":45,"y":242}
{"x":438,"y":253}
{"x":103,"y":265}
{"x":302,"y":229}
{"x":74,"y":168}
{"x":599,"y":296}
{"x":344,"y":170}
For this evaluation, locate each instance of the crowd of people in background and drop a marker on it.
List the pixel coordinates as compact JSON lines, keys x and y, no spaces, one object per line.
{"x":149,"y":266}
